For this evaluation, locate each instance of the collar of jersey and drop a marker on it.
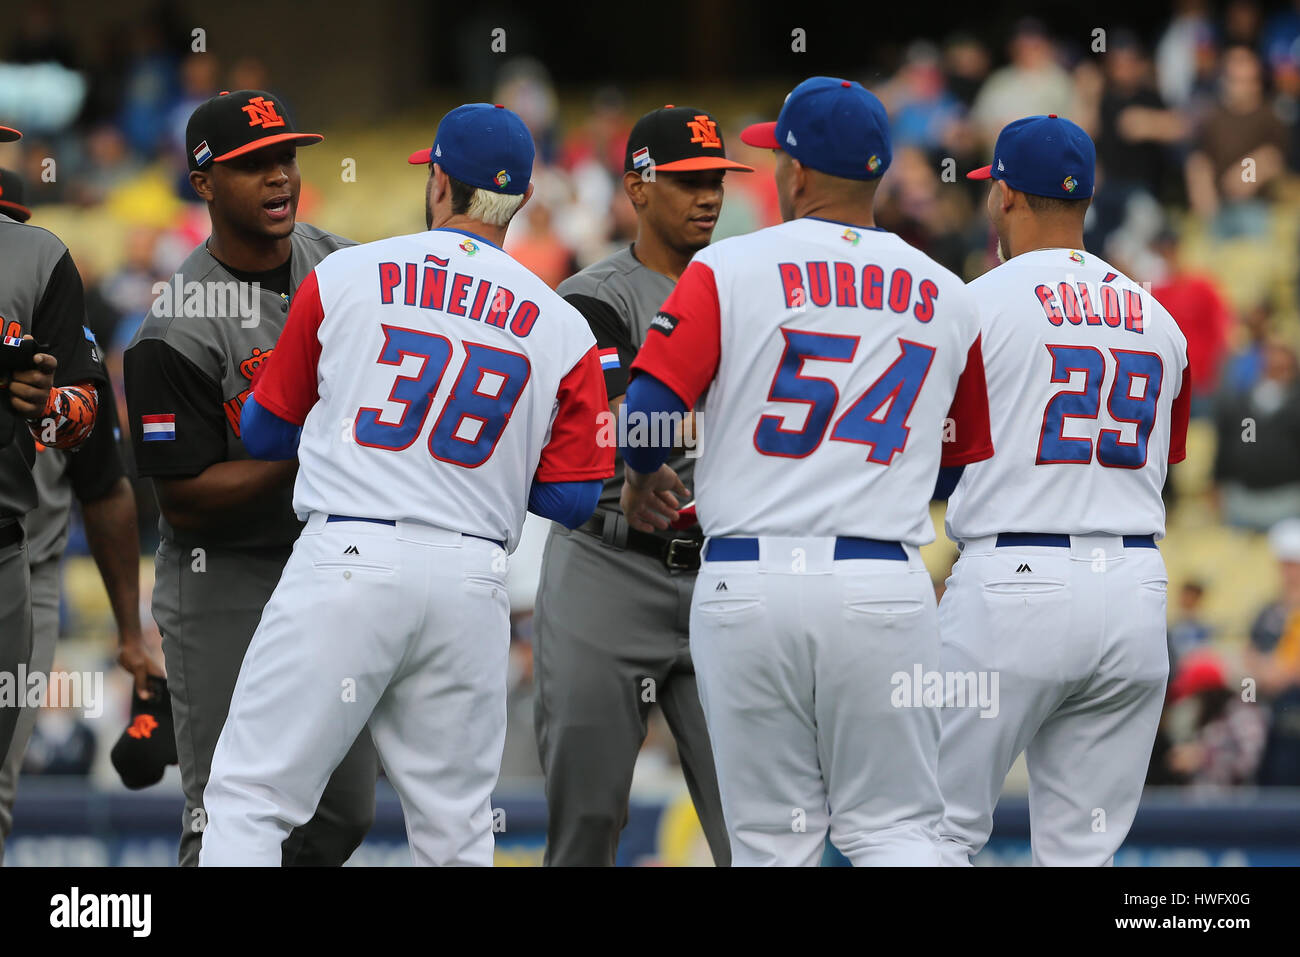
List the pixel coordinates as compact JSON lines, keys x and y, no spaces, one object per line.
{"x":821,"y":219}
{"x":474,"y":236}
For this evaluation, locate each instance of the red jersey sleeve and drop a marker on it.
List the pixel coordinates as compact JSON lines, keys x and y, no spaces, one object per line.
{"x":681,"y":349}
{"x":574,"y":453}
{"x":1181,"y":412}
{"x":969,"y":412}
{"x":285,"y":384}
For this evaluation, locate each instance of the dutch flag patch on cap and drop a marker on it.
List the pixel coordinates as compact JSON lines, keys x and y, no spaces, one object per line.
{"x":201,"y":153}
{"x":641,"y":157}
{"x":158,"y":428}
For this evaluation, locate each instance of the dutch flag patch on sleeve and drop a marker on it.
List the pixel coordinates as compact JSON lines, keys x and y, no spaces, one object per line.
{"x":158,"y":428}
{"x":609,"y":359}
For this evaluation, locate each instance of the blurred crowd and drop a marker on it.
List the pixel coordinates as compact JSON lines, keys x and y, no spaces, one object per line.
{"x":1198,"y":148}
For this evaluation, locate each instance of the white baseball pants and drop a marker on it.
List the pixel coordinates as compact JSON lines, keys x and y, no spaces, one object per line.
{"x":402,"y":628}
{"x":794,"y":654}
{"x":1076,"y":636}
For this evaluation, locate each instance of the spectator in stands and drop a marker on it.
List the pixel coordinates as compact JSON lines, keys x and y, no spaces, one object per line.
{"x":540,"y":249}
{"x":1244,"y":367}
{"x":1133,"y":130}
{"x":1240,"y":151}
{"x":1242,"y":22}
{"x":1211,"y":736}
{"x":1033,"y":83}
{"x":62,"y":742}
{"x":1185,"y":57}
{"x":921,"y":110}
{"x":151,"y":89}
{"x":1189,"y":633}
{"x":1273,"y":659}
{"x":1202,"y":313}
{"x":966,"y":64}
{"x":1257,"y":459}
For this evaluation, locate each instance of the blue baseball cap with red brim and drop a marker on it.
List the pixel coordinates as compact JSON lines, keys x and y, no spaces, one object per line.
{"x":834,"y":126}
{"x":483,"y":145}
{"x":1045,"y":156}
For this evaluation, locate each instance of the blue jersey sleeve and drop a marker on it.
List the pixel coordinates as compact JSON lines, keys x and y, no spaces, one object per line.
{"x":265,"y":434}
{"x":647,"y":396}
{"x":569,"y":503}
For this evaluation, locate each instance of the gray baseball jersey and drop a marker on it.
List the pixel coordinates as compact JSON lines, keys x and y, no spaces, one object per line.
{"x":619,"y":296}
{"x":40,"y":294}
{"x":612,"y":623}
{"x":189,"y":370}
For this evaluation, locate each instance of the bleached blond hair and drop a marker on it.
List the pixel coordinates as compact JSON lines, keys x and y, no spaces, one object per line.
{"x":485,"y":206}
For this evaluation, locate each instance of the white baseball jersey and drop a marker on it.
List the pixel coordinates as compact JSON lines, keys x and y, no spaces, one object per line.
{"x":435,"y":378}
{"x":835,"y":367}
{"x":1088,"y":401}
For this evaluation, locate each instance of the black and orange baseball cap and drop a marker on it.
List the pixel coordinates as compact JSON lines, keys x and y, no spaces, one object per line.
{"x":11,"y":196}
{"x":9,"y":134}
{"x":232,"y":124}
{"x":677,"y":139}
{"x":148,"y":744}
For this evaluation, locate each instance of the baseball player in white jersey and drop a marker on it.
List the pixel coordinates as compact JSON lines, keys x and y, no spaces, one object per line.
{"x":441,"y":389}
{"x":1060,"y":590}
{"x":829,"y":358}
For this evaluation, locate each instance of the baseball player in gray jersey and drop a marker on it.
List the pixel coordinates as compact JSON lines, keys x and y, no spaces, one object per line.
{"x":613,"y":603}
{"x":95,"y":475}
{"x":227,"y":524}
{"x":51,"y":395}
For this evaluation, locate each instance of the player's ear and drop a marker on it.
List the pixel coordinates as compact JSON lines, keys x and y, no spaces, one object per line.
{"x":528,"y":194}
{"x":1006,"y":195}
{"x":440,"y":184}
{"x":635,"y":187}
{"x":201,"y":183}
{"x":798,"y":177}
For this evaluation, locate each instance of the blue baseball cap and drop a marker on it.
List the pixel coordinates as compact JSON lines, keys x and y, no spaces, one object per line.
{"x":482,"y":145}
{"x":1045,"y":156}
{"x":831,"y":125}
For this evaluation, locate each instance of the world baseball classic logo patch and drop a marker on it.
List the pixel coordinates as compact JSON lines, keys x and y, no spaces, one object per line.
{"x":158,"y":428}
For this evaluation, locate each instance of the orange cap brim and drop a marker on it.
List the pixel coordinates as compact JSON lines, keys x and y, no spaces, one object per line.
{"x":18,"y":211}
{"x":302,"y":139}
{"x":761,"y":135}
{"x":984,"y":172}
{"x":701,"y":162}
{"x":9,"y":134}
{"x":420,"y":157}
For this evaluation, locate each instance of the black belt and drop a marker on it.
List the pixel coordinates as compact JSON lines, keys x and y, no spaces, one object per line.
{"x":11,"y":532}
{"x":391,"y":522}
{"x":1040,"y":540}
{"x":676,"y":554}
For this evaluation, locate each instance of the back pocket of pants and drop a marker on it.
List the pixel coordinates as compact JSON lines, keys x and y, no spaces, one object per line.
{"x":1024,"y":588}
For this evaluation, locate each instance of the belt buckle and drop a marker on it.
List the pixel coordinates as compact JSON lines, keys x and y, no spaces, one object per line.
{"x":670,"y":557}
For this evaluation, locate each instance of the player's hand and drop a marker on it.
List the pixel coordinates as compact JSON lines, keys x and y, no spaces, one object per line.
{"x":140,"y":660}
{"x":650,"y":502}
{"x":29,"y":390}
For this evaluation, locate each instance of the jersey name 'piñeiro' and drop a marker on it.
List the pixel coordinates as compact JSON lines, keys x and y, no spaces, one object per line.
{"x":1088,"y":401}
{"x":828,"y":364}
{"x":435,"y":377}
